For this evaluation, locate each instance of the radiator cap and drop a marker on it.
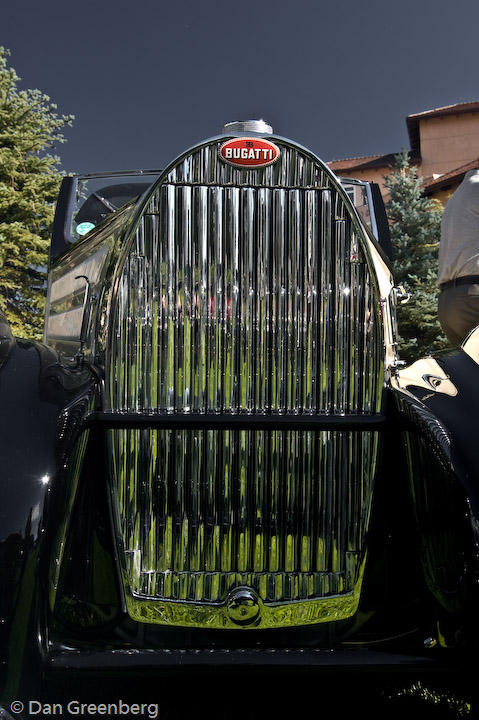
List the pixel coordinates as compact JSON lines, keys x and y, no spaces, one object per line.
{"x":247,"y":127}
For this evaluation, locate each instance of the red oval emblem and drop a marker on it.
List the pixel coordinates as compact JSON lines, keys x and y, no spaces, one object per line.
{"x":249,"y":152}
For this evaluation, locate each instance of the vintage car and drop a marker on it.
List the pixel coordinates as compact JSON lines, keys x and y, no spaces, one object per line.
{"x":216,"y":459}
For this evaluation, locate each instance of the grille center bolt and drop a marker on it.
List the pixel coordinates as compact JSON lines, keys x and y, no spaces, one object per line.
{"x":243,"y":606}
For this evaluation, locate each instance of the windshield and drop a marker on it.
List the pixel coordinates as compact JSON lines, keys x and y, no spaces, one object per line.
{"x":99,"y":196}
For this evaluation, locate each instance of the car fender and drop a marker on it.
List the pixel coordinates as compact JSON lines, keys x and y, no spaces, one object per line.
{"x":42,"y":409}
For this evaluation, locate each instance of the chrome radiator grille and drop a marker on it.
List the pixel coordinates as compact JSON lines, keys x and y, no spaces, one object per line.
{"x":244,"y":292}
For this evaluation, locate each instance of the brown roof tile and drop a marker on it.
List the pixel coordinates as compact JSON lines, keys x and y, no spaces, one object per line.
{"x":457,"y":175}
{"x":362,"y":163}
{"x":366,"y":163}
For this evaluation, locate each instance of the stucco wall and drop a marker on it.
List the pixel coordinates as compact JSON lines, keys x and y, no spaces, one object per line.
{"x":374,"y":175}
{"x":444,"y":195}
{"x":448,"y":142}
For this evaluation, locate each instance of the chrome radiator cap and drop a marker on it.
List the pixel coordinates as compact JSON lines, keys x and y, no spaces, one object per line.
{"x":247,"y":127}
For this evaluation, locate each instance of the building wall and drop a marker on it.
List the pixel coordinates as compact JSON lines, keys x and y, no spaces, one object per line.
{"x":374,"y":175}
{"x":448,"y":142}
{"x":444,"y":195}
{"x":377,"y":175}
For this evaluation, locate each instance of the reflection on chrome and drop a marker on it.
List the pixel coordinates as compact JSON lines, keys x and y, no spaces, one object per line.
{"x":67,"y":293}
{"x":428,"y":374}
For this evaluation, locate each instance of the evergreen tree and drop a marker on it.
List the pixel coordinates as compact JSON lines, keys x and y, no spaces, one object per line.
{"x":29,"y":182}
{"x":415,"y":233}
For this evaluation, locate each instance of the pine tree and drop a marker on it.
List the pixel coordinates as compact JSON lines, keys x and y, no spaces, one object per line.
{"x":415,"y":234}
{"x":29,"y":182}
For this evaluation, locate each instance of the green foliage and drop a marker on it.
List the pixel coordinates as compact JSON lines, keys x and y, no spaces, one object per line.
{"x":446,"y":700}
{"x":415,"y":233}
{"x":29,"y":182}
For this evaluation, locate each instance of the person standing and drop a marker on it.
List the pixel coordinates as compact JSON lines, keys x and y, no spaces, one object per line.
{"x":458,"y":276}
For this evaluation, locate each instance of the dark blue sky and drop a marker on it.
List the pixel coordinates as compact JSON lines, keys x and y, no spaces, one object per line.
{"x":148,"y":78}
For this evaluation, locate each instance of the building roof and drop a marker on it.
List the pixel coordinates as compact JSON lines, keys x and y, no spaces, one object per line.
{"x":362,"y":163}
{"x":370,"y":162}
{"x":452,"y":177}
{"x":412,"y":121}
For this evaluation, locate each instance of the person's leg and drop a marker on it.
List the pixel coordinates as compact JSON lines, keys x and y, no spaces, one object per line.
{"x":458,"y":311}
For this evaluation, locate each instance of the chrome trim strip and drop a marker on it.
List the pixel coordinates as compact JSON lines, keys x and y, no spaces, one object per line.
{"x":227,"y":421}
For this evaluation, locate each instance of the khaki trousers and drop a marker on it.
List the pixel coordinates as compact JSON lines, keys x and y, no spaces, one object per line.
{"x":458,"y":311}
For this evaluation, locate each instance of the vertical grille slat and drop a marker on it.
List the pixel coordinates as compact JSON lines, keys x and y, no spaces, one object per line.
{"x":244,"y":293}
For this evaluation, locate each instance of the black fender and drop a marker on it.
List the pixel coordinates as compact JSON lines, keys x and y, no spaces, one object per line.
{"x":438,"y":398}
{"x":458,"y":415}
{"x":42,"y":408}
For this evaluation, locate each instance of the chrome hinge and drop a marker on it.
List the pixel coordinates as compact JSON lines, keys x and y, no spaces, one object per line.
{"x":396,"y":366}
{"x":401,"y":295}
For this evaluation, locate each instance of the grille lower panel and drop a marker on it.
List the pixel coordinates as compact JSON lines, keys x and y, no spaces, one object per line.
{"x":244,"y":292}
{"x":216,"y":509}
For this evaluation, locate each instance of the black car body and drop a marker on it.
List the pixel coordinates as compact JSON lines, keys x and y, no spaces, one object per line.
{"x":217,"y":459}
